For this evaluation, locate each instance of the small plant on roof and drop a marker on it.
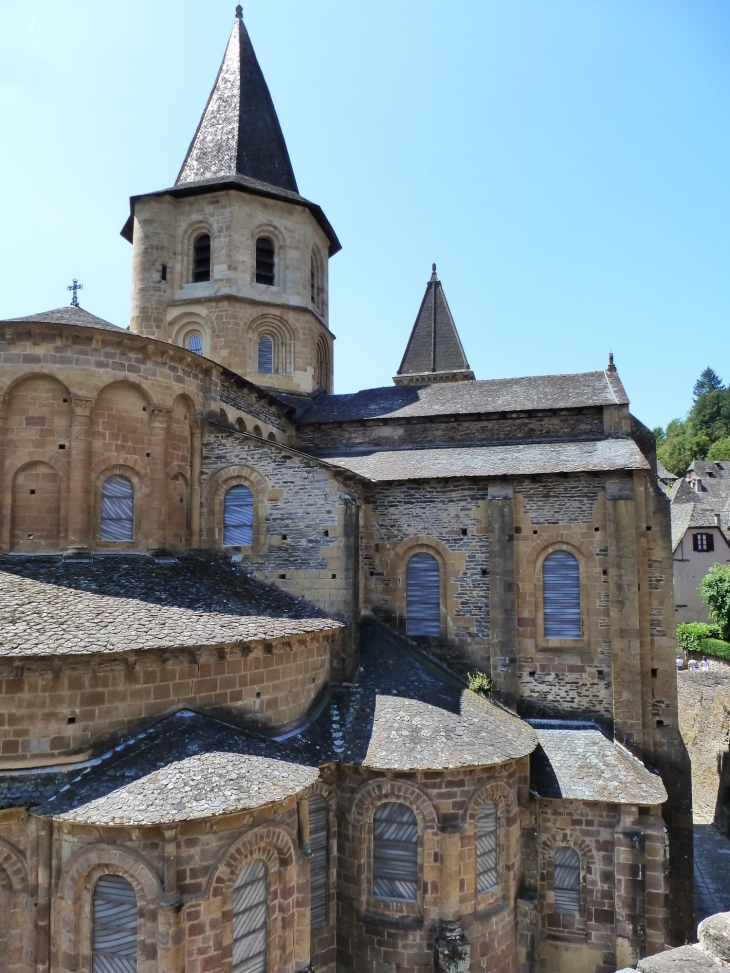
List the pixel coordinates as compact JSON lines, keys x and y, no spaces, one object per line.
{"x":479,"y":682}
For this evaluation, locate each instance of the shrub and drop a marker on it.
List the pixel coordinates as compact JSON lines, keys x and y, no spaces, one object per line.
{"x":691,"y":634}
{"x":479,"y":682}
{"x":714,"y":590}
{"x":716,"y":647}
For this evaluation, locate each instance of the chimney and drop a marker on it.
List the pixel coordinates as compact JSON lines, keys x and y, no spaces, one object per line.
{"x":718,"y":520}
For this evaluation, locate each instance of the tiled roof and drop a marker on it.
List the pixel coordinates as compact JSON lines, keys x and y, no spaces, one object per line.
{"x":66,"y":315}
{"x":500,"y":460}
{"x":664,"y":474}
{"x":118,"y":603}
{"x":698,"y":508}
{"x":467,"y":398}
{"x":582,"y":764}
{"x":239,"y":132}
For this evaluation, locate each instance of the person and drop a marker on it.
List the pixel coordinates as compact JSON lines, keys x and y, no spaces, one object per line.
{"x":705,"y":664}
{"x":679,"y":662}
{"x":693,"y":665}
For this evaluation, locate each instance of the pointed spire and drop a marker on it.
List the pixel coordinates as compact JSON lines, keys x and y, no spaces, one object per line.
{"x":434,"y":352}
{"x":239,"y":133}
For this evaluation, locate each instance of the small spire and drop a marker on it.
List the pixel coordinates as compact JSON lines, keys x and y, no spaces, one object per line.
{"x":433,"y":272}
{"x":611,"y":366}
{"x":239,"y":12}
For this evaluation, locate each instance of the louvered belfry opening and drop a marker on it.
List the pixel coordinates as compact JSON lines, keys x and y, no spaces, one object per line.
{"x":423,"y":595}
{"x":117,"y":509}
{"x":114,"y":926}
{"x":566,"y":882}
{"x":238,"y":517}
{"x":195,"y":343}
{"x":487,"y":848}
{"x":561,"y":596}
{"x":395,"y":853}
{"x":266,"y":354}
{"x":201,"y":258}
{"x":250,"y":919}
{"x":319,"y":863}
{"x":265,"y":261}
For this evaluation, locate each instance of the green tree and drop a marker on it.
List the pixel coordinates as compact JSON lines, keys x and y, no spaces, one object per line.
{"x":720,"y":450}
{"x":710,"y":415}
{"x":714,"y":590}
{"x":709,"y":381}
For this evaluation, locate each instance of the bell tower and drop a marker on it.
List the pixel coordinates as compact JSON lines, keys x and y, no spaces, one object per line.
{"x":231,"y":262}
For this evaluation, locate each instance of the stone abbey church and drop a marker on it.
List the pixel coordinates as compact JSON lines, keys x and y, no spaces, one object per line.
{"x":237,"y":613}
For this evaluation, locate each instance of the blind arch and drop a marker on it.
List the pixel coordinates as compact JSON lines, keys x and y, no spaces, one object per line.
{"x":395,"y":853}
{"x":117,"y":509}
{"x":561,"y":596}
{"x":423,"y":595}
{"x":238,"y":517}
{"x":201,"y":258}
{"x":319,"y":863}
{"x":114,"y":926}
{"x":250,"y":918}
{"x":566,"y":881}
{"x":266,"y":354}
{"x":487,"y":848}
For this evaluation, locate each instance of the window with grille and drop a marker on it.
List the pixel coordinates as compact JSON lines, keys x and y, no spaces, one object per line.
{"x":487,"y":848}
{"x":250,"y":918}
{"x":266,"y":354}
{"x":566,"y":882}
{"x":703,"y":542}
{"x":201,"y":258}
{"x":238,"y":517}
{"x":265,"y":261}
{"x":114,"y":926}
{"x":423,"y":595}
{"x":561,"y":596}
{"x":395,"y":853}
{"x":195,"y":343}
{"x":117,"y":510}
{"x":319,"y":863}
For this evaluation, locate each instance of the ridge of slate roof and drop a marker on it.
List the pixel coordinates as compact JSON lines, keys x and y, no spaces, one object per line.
{"x":125,"y":603}
{"x":434,"y":344}
{"x":66,"y":315}
{"x":603,"y":455}
{"x":239,"y":131}
{"x":580,"y":763}
{"x":581,"y":390}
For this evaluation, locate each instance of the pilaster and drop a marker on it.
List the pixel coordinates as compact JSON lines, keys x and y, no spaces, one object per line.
{"x":196,"y":460}
{"x":80,"y":501}
{"x":502,"y":609}
{"x":158,"y":479}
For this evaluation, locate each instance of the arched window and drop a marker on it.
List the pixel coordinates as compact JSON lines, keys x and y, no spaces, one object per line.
{"x":194,"y":342}
{"x":265,"y":261}
{"x":561,"y":596}
{"x":117,"y":510}
{"x":566,"y":882}
{"x":395,"y":853}
{"x":250,"y":918}
{"x":238,"y":517}
{"x":114,"y":929}
{"x":266,"y":354}
{"x":201,"y":258}
{"x":322,"y":374}
{"x":315,"y":280}
{"x":319,"y":863}
{"x":423,"y":595}
{"x":487,"y":848}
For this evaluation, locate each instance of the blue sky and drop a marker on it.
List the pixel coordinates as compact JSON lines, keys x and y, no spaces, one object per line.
{"x":566,"y":164}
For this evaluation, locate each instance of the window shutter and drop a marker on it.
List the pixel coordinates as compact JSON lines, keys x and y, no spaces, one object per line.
{"x":114,"y":937}
{"x":117,"y":509}
{"x":487,"y":848}
{"x":319,"y":864}
{"x":195,"y":344}
{"x":250,"y":918}
{"x":395,"y":853}
{"x":238,"y":517}
{"x":201,"y":258}
{"x":561,"y":596}
{"x":566,"y":882}
{"x":710,"y":541}
{"x":423,"y":596}
{"x":265,"y":266}
{"x":266,"y":354}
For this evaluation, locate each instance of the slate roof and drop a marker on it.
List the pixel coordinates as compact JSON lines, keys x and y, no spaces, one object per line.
{"x":580,"y":763}
{"x":602,"y":455}
{"x":434,"y":344}
{"x":239,"y":132}
{"x":698,"y":508}
{"x":66,"y":315}
{"x":577,"y":391}
{"x":121,"y":603}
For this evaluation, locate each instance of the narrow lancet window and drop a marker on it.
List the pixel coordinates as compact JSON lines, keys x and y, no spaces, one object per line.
{"x":266,"y":354}
{"x":195,"y":343}
{"x":319,"y":864}
{"x":250,"y":919}
{"x":114,"y":929}
{"x":238,"y":517}
{"x":487,"y":848}
{"x":201,"y":258}
{"x":265,"y":261}
{"x":567,"y":881}
{"x":423,"y":596}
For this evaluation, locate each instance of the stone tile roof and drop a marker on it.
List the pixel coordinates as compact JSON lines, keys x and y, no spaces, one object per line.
{"x":467,"y":398}
{"x":498,"y":460}
{"x":664,"y":474}
{"x":66,"y":315}
{"x":239,"y":132}
{"x":700,"y":507}
{"x":580,"y":763}
{"x":120,"y":603}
